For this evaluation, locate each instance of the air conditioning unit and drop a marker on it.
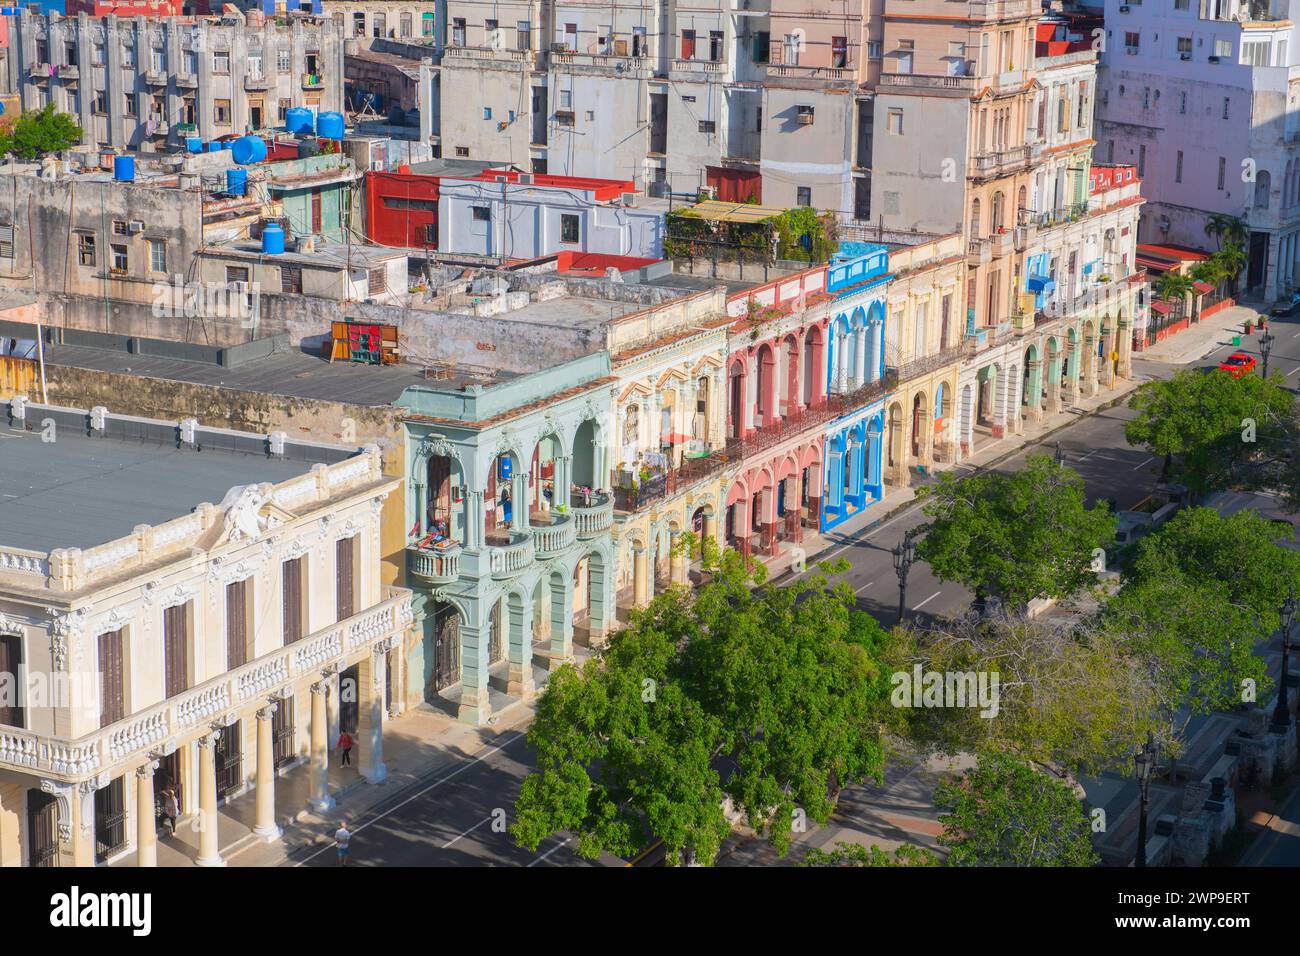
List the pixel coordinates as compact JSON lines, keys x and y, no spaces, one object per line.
{"x":805,"y":116}
{"x":525,"y":179}
{"x":1214,"y":59}
{"x":1184,"y":56}
{"x":135,"y":225}
{"x":628,"y":199}
{"x":1123,"y":9}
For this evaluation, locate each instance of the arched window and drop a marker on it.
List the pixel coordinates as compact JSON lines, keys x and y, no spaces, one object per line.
{"x":975,"y":219}
{"x":1262,"y":186}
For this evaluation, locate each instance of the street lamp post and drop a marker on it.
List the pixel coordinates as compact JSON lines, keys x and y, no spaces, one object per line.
{"x":1144,"y":763}
{"x":1282,"y":713}
{"x":904,"y":555}
{"x":1059,"y":457}
{"x":1266,"y":346}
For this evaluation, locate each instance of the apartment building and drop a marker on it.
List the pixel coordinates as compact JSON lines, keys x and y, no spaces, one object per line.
{"x":197,"y":634}
{"x":146,"y":84}
{"x":1200,"y":96}
{"x":365,"y":21}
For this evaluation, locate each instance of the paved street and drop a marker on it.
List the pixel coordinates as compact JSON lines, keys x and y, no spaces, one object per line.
{"x":451,"y":818}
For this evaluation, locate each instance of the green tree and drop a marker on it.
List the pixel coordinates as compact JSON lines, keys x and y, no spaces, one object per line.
{"x":1173,"y":286}
{"x":1002,"y":812}
{"x":1018,"y":536}
{"x":37,"y":132}
{"x":855,"y":854}
{"x":1212,"y":430}
{"x":1222,"y":228}
{"x":1067,"y":696}
{"x":774,"y":697}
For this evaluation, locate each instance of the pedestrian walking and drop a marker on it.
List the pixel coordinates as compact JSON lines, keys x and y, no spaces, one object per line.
{"x":171,"y":809}
{"x":342,"y":837}
{"x":345,"y":745}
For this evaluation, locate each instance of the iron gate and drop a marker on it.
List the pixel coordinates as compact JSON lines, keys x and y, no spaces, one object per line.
{"x":110,"y":820}
{"x":230,"y":760}
{"x":42,"y":829}
{"x":282,"y":733}
{"x":446,"y":651}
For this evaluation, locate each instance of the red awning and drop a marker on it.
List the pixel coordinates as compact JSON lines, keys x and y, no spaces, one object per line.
{"x":1202,"y":287}
{"x":1160,"y":307}
{"x":675,"y":438}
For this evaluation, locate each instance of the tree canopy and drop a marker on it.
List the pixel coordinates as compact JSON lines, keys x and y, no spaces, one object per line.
{"x":774,"y":698}
{"x":1019,"y":536}
{"x":37,"y":132}
{"x":1212,"y":429}
{"x":1002,"y":812}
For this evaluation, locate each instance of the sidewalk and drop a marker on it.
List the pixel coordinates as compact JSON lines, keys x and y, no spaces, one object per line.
{"x":424,"y":743}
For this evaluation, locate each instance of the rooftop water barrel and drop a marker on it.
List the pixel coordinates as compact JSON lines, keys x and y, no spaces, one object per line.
{"x":272,"y":239}
{"x":330,"y":125}
{"x":299,"y":120}
{"x":193,"y":144}
{"x":308,"y":147}
{"x":226,"y":144}
{"x":124,"y":168}
{"x":248,"y":149}
{"x":236,"y":181}
{"x":214,"y":147}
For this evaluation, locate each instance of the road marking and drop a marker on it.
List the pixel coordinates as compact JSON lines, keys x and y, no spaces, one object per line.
{"x":1143,"y":462}
{"x":550,"y":851}
{"x":864,"y":587}
{"x":469,"y":831}
{"x":927,"y":601}
{"x":1089,"y":455}
{"x":415,"y":796}
{"x":1292,"y":372}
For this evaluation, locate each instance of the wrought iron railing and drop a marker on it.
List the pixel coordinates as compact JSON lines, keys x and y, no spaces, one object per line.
{"x":835,"y":405}
{"x":657,"y":487}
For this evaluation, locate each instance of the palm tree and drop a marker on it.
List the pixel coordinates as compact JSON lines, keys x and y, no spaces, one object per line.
{"x":1227,"y":229}
{"x":1232,"y":260}
{"x":1173,"y":286}
{"x":1209,"y":271}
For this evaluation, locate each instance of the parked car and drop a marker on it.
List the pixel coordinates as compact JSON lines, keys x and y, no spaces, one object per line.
{"x":1238,"y":364}
{"x":1287,"y":308}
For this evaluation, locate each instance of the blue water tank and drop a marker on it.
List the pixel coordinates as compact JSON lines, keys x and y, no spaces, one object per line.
{"x":214,"y":147}
{"x":330,"y":125}
{"x":124,"y":168}
{"x":299,"y":120}
{"x":272,"y":239}
{"x":193,"y":144}
{"x":236,"y":181}
{"x":248,"y":149}
{"x":226,"y":144}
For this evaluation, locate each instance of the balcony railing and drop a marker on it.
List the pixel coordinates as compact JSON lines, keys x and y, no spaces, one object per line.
{"x":1001,"y":162}
{"x":699,"y":66}
{"x":796,"y":423}
{"x":607,"y":61}
{"x":592,"y":514}
{"x":553,"y":538}
{"x":926,"y":364}
{"x":513,"y":557}
{"x":256,"y":82}
{"x":433,"y":565}
{"x":486,"y":53}
{"x":811,"y":72}
{"x":69,"y":71}
{"x":930,"y":83}
{"x":691,"y":472}
{"x":187,"y":80}
{"x":155,"y":78}
{"x":132,"y":737}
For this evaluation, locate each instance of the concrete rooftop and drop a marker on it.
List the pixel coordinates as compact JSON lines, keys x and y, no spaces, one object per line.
{"x":79,"y":491}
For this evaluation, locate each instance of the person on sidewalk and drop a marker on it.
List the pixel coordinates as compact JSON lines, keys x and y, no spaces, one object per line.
{"x":342,"y":837}
{"x":345,"y":745}
{"x":171,"y":809}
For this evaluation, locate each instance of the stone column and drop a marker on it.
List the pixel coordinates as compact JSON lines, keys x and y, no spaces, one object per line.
{"x":209,"y":837}
{"x":842,"y":364}
{"x":421,"y":509}
{"x":521,"y":502}
{"x":793,"y":524}
{"x":767,"y":508}
{"x":520,"y":639}
{"x":711,"y":527}
{"x":265,"y":827}
{"x":1034,"y":388}
{"x":860,"y":344}
{"x":82,"y":800}
{"x":372,"y":673}
{"x":678,"y":560}
{"x":560,"y":620}
{"x":320,"y":800}
{"x":475,"y":705}
{"x":146,"y":827}
{"x":1124,"y":346}
{"x":640,"y":577}
{"x":1088,"y":376}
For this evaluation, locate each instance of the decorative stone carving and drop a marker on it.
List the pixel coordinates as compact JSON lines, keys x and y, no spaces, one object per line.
{"x":244,"y":519}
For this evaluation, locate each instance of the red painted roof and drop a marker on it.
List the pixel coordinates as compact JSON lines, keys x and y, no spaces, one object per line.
{"x":1161,"y":308}
{"x":602,"y":188}
{"x":1202,"y":287}
{"x":1171,"y":253}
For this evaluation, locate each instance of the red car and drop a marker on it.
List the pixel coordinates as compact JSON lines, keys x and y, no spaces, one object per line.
{"x":1238,"y":364}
